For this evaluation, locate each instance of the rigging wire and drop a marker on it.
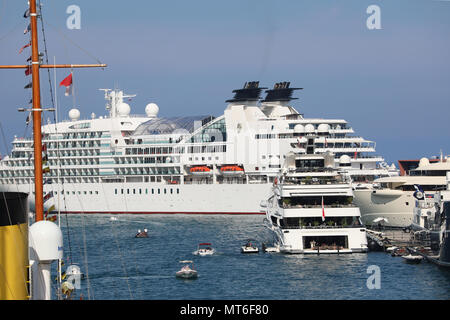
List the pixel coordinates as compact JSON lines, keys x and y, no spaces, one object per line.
{"x":74,"y":43}
{"x":46,"y":53}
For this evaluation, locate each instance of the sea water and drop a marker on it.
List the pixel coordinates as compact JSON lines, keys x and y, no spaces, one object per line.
{"x":119,"y":266}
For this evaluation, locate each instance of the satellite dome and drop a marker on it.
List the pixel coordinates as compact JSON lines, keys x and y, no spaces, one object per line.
{"x":152,"y":110}
{"x":309,"y":128}
{"x":299,"y":128}
{"x":123,"y":109}
{"x":323,"y":128}
{"x":344,"y":160}
{"x":74,"y":114}
{"x":46,"y":241}
{"x":424,"y":162}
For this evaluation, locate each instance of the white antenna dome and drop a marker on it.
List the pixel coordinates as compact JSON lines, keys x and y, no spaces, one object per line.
{"x":74,"y":114}
{"x":299,"y":128}
{"x":152,"y":110}
{"x":323,"y":128}
{"x":344,"y":160}
{"x":123,"y":109}
{"x":309,"y":128}
{"x":46,"y":240}
{"x":92,"y":115}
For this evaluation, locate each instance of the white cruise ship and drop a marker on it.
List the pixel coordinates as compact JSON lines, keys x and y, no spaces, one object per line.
{"x":311,"y":209}
{"x":123,"y":163}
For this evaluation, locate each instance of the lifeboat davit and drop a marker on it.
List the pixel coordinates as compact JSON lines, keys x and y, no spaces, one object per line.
{"x":200,"y":170}
{"x":232,"y":170}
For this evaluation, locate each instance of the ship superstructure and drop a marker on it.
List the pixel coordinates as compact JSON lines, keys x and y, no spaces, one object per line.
{"x":124,"y":163}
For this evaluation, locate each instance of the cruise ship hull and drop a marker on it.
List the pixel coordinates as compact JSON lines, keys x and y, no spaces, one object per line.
{"x":394,"y":205}
{"x":145,"y":198}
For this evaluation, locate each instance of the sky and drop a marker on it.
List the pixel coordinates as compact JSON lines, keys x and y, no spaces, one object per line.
{"x":391,"y":84}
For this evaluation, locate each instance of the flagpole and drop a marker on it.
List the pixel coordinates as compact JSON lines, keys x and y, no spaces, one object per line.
{"x":37,"y":134}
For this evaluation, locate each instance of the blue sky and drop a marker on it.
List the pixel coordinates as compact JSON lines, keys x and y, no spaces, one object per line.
{"x":392,"y":85}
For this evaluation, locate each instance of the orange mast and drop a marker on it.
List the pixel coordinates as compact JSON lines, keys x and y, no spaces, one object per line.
{"x":37,"y":134}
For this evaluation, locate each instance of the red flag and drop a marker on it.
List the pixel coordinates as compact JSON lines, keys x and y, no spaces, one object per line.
{"x":323,"y":211}
{"x":25,"y":46}
{"x":67,"y":82}
{"x":28,"y":71}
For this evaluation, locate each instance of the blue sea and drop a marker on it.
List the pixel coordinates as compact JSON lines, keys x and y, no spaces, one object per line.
{"x":121,"y":267}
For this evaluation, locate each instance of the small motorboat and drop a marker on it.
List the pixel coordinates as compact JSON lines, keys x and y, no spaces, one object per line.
{"x":399,"y":252}
{"x":141,"y":234}
{"x":204,"y":249}
{"x":391,"y":249}
{"x":412,"y":258}
{"x":249,"y":247}
{"x":187,"y":271}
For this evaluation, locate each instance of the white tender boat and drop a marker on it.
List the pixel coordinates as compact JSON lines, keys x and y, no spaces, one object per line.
{"x":187,"y":271}
{"x":249,"y":247}
{"x":205,"y":249}
{"x":412,"y":258}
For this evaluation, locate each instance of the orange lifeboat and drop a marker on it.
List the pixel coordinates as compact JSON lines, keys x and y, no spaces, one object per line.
{"x":232,"y":170}
{"x":200,"y":170}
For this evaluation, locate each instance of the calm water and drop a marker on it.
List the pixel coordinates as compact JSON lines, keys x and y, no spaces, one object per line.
{"x":123,"y":267}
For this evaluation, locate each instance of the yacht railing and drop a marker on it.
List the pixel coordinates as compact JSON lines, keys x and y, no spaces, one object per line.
{"x":324,"y":227}
{"x":290,"y":206}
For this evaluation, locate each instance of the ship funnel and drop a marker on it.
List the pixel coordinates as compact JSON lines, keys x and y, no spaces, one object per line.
{"x":250,"y":92}
{"x":14,"y":284}
{"x":281,"y":92}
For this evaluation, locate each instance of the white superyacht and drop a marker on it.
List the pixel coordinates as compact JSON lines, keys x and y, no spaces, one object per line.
{"x":124,"y":163}
{"x":311,"y":209}
{"x":392,"y":197}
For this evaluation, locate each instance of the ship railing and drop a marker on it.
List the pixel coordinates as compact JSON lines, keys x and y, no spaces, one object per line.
{"x":311,"y":206}
{"x":311,"y":182}
{"x":324,"y":226}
